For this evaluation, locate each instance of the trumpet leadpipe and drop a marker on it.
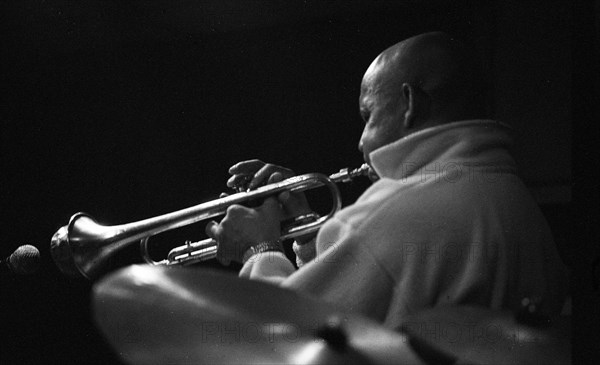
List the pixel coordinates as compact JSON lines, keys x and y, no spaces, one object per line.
{"x":347,"y":175}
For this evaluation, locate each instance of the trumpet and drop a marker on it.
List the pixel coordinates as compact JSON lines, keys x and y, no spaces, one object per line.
{"x":82,"y":247}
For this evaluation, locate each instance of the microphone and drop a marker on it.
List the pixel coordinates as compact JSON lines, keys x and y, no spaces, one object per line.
{"x":24,"y":260}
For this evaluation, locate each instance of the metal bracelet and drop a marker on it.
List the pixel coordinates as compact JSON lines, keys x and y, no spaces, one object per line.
{"x":265,"y":246}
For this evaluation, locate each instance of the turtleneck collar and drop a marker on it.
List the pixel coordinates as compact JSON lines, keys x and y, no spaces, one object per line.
{"x":471,"y":142}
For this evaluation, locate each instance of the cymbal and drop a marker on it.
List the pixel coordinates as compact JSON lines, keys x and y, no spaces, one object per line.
{"x":157,"y":315}
{"x":477,"y":335}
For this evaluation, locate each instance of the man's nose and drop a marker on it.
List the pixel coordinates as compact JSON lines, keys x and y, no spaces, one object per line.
{"x":360,"y":142}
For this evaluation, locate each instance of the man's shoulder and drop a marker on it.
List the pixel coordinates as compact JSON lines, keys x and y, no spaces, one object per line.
{"x":425,"y":199}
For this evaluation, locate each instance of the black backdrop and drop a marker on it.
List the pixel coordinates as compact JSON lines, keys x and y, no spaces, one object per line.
{"x":127,"y":110}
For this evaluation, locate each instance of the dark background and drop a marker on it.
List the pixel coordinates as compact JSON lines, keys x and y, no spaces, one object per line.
{"x":128,"y":110}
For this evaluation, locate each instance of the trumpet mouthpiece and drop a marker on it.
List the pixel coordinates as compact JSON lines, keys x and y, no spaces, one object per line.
{"x":347,"y":175}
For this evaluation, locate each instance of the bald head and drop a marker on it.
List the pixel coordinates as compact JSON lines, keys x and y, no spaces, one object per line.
{"x":421,"y":82}
{"x":441,"y":71}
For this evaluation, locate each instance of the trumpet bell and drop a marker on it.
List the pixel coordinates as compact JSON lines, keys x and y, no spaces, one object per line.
{"x":83,"y":246}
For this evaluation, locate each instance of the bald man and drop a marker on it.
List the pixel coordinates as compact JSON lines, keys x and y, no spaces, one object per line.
{"x":448,"y":221}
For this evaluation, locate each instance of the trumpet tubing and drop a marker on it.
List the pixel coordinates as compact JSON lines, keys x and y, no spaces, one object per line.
{"x":82,"y":247}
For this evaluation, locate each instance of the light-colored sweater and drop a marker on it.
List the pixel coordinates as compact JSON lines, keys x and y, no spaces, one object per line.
{"x":449,"y":222}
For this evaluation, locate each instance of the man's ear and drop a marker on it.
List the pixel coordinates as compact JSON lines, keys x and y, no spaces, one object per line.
{"x":410,"y":114}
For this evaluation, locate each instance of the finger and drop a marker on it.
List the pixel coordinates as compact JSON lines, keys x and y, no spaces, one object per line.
{"x":266,"y":174}
{"x":275,"y":177}
{"x":212,"y":230}
{"x":223,"y":260}
{"x":223,"y":195}
{"x":246,"y":167}
{"x":261,"y":176}
{"x":239,"y":180}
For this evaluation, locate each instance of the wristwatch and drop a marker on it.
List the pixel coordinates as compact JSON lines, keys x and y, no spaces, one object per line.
{"x":265,"y":246}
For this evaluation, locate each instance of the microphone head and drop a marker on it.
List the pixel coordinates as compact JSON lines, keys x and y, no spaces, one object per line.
{"x":25,"y":260}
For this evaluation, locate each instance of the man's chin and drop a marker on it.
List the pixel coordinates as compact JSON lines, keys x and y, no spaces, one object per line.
{"x":371,"y":174}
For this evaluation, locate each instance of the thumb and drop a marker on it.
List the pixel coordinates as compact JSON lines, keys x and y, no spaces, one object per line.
{"x":212,"y":230}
